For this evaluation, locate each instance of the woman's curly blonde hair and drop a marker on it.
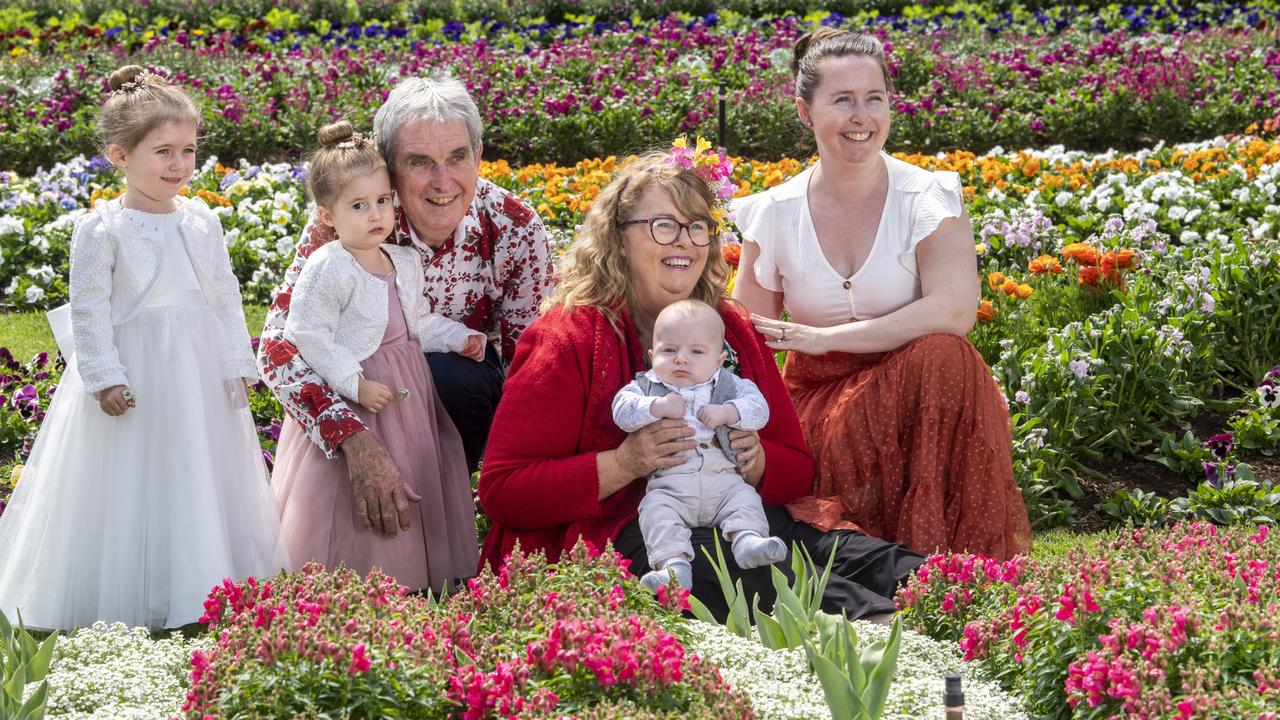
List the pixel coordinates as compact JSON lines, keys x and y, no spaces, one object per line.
{"x":595,"y":273}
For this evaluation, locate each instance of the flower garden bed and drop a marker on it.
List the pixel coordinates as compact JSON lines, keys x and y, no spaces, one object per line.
{"x":1129,"y":313}
{"x":1123,"y":293}
{"x":973,"y":78}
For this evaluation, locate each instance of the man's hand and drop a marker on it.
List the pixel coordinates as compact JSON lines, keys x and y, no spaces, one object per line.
{"x":668,"y":406}
{"x":373,"y":395}
{"x":713,"y":416}
{"x":381,"y":496}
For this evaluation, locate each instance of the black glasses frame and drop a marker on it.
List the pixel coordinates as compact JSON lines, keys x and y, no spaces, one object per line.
{"x":686,"y":228}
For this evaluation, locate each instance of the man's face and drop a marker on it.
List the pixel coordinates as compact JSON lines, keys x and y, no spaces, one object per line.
{"x":435,"y":173}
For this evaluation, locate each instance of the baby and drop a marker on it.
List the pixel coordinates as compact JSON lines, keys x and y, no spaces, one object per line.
{"x":688,"y":382}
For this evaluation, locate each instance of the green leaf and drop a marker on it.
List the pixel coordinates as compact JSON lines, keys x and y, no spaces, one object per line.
{"x":33,"y":708}
{"x":39,"y":665}
{"x":701,"y":612}
{"x":17,"y":683}
{"x":771,"y":633}
{"x":881,"y":674}
{"x":739,"y":621}
{"x":844,"y":705}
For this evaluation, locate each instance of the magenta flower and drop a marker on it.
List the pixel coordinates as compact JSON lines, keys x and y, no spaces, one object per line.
{"x":1220,"y":446}
{"x":360,"y":662}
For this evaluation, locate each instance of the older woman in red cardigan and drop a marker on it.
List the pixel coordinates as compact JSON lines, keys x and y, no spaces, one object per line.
{"x":557,"y":467}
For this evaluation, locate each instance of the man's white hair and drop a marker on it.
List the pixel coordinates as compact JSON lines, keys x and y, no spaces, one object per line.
{"x":439,"y":98}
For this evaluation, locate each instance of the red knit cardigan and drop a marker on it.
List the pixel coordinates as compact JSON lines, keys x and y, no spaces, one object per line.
{"x":539,"y":484}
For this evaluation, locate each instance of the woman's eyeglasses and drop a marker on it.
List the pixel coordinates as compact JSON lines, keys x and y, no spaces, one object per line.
{"x":665,"y":230}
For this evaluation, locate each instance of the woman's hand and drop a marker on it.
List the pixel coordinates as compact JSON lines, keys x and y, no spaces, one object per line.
{"x":750,"y":454}
{"x":655,"y":446}
{"x":779,"y":335}
{"x":658,"y":445}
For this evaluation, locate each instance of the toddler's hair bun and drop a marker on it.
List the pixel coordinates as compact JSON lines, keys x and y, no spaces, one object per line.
{"x":335,"y":133}
{"x":127,"y":75}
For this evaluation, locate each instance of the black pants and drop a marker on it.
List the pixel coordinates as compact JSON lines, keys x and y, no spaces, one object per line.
{"x":864,"y":577}
{"x":470,"y":392}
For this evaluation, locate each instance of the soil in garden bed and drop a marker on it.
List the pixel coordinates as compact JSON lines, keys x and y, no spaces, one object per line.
{"x":1138,"y":473}
{"x":1132,"y":473}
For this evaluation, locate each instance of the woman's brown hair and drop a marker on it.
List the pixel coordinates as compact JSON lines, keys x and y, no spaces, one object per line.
{"x":827,"y":42}
{"x":594,"y":273}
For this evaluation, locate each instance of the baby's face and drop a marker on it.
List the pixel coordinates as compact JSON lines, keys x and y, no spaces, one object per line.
{"x":686,"y":352}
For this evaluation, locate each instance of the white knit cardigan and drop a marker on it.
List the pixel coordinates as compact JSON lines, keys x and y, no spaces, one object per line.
{"x":114,"y":267}
{"x":338,"y":313}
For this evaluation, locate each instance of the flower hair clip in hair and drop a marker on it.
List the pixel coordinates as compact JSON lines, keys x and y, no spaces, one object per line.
{"x":142,"y":78}
{"x":357,"y":140}
{"x":713,"y":166}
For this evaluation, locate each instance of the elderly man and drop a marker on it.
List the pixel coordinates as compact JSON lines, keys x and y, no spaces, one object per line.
{"x":487,"y":264}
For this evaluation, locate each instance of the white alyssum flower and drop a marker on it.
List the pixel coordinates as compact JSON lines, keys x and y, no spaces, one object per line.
{"x":113,"y":672}
{"x":781,"y":686}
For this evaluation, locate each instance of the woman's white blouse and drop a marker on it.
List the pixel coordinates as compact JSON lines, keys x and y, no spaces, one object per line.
{"x":792,"y":262}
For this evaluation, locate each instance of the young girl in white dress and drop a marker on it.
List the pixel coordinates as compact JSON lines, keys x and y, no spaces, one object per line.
{"x":359,"y":319}
{"x":146,"y":486}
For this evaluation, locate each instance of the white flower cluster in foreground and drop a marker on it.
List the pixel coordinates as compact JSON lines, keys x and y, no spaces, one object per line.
{"x":111,"y":672}
{"x":781,"y":686}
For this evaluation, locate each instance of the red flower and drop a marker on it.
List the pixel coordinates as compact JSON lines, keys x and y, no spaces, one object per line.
{"x":281,"y":302}
{"x":334,"y":431}
{"x":516,"y":209}
{"x":279,"y":352}
{"x":316,"y":399}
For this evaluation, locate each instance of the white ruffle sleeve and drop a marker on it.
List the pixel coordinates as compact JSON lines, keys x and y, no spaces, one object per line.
{"x":941,"y":199}
{"x":755,"y":217}
{"x":230,"y":308}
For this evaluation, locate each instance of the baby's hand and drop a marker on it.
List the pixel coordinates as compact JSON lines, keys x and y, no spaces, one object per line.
{"x":668,"y":406}
{"x":713,"y":416}
{"x":373,"y":395}
{"x":114,"y":402}
{"x":474,"y":349}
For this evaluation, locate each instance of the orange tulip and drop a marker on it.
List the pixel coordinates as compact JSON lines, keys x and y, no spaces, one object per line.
{"x":1125,"y":257}
{"x":1010,"y":286}
{"x":1024,"y":291}
{"x":995,"y":280}
{"x":1089,"y":276}
{"x":986,"y":311}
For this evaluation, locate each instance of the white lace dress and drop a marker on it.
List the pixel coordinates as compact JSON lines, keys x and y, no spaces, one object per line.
{"x":134,"y":518}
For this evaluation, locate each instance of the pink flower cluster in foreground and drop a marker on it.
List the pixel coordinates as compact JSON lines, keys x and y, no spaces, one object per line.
{"x":1179,"y":623}
{"x":512,"y":644}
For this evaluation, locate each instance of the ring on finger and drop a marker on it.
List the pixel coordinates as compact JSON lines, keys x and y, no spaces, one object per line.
{"x":782,"y":335}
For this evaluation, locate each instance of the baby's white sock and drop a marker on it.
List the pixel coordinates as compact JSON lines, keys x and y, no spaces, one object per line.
{"x":680,"y":567}
{"x":753,"y":551}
